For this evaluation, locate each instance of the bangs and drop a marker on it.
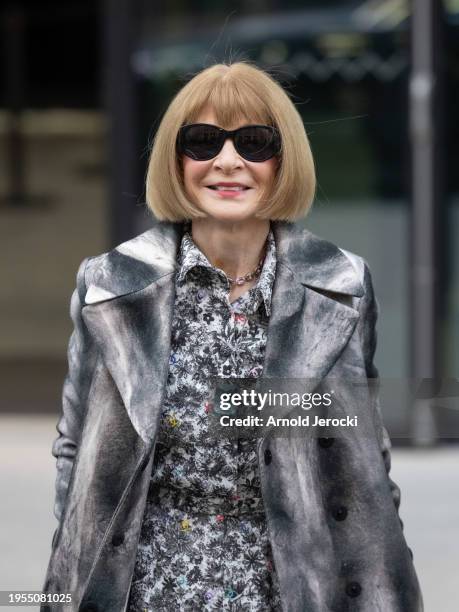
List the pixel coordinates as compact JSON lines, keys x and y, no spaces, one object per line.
{"x":233,"y":101}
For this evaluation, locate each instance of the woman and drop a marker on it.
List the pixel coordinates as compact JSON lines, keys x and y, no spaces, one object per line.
{"x":155,"y":513}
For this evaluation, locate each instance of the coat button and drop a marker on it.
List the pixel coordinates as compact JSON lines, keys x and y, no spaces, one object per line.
{"x":118,"y":539}
{"x":353,"y":589}
{"x":411,"y":553}
{"x":268,"y":456}
{"x":89,"y":607}
{"x":326,"y":442}
{"x":340,"y":513}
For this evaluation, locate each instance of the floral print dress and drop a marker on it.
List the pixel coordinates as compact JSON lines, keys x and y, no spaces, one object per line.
{"x":204,"y":543}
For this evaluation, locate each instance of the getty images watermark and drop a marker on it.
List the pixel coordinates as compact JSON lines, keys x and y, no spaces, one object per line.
{"x":244,"y":407}
{"x":261,"y":400}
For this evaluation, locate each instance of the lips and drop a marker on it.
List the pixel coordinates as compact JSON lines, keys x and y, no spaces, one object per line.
{"x":228,"y":187}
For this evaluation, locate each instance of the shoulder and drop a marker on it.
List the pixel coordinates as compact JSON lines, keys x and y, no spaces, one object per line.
{"x":131,"y":265}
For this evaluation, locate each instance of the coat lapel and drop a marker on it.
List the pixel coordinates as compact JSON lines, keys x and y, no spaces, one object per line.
{"x":130,"y":299}
{"x":312,"y":318}
{"x":129,"y":306}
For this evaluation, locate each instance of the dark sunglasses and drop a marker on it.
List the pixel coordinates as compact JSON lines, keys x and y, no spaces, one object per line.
{"x":202,"y":141}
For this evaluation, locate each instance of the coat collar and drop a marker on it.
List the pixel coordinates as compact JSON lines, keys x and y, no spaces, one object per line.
{"x":129,"y":306}
{"x":135,"y":264}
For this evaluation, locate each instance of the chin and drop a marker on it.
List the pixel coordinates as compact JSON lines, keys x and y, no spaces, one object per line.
{"x":229,"y":211}
{"x":230,"y":215}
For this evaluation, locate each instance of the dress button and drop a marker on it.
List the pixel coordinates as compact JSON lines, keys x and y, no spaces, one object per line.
{"x":326,"y":442}
{"x":240,"y":318}
{"x":118,"y":539}
{"x":353,"y":589}
{"x":268,"y":456}
{"x":208,"y":595}
{"x":182,"y":581}
{"x":185,"y":524}
{"x":340,"y":513}
{"x":230,"y":594}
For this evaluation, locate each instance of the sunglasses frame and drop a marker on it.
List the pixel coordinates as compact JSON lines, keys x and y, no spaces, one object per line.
{"x":224,"y":135}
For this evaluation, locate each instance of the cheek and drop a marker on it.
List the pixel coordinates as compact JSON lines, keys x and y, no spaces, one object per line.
{"x":267,"y":171}
{"x":193,"y":172}
{"x":187,"y":170}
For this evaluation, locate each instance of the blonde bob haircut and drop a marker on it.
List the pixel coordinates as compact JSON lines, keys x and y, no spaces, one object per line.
{"x":237,"y":93}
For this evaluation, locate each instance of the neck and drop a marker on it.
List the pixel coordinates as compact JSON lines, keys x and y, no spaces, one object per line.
{"x":235,"y":248}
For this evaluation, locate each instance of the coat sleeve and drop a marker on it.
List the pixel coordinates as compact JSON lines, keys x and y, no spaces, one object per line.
{"x":81,"y":356}
{"x":369,"y":310}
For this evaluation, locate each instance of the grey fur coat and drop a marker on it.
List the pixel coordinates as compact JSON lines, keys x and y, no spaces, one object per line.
{"x":331,"y":507}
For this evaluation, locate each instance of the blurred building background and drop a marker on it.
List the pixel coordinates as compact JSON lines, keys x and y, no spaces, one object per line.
{"x":84,"y":87}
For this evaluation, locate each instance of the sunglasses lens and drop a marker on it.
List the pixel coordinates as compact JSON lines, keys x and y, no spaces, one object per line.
{"x":200,"y":142}
{"x":254,"y":143}
{"x":257,"y":143}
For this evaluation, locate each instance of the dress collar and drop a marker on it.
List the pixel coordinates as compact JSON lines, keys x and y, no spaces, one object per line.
{"x":191,"y":256}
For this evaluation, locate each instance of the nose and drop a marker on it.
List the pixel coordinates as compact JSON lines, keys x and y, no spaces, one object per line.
{"x":228,"y":156}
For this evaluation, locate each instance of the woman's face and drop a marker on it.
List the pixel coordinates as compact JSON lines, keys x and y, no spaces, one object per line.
{"x":227,"y":167}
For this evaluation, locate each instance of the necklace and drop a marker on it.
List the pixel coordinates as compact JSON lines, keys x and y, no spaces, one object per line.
{"x":241,"y":280}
